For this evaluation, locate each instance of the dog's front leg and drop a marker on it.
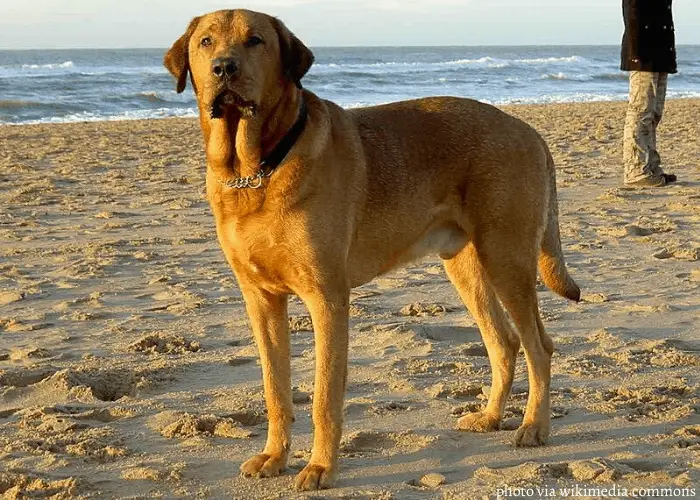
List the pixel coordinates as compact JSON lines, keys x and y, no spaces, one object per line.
{"x":268,"y":317}
{"x":329,"y":314}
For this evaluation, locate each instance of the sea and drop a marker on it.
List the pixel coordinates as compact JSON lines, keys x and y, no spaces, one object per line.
{"x":59,"y":86}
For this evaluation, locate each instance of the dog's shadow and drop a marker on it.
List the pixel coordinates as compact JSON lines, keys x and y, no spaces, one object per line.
{"x":459,"y":447}
{"x":446,"y":333}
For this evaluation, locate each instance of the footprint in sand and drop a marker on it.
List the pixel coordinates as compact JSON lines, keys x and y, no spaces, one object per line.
{"x":8,"y":297}
{"x":389,"y":283}
{"x":241,"y":360}
{"x":473,"y":349}
{"x":610,"y":353}
{"x":164,"y":343}
{"x":105,"y":385}
{"x":595,"y":470}
{"x":68,"y":431}
{"x":424,"y":309}
{"x":146,"y":473}
{"x":434,"y":368}
{"x":390,"y":407}
{"x":23,"y":377}
{"x":20,"y":485}
{"x":15,"y":325}
{"x":454,"y":391}
{"x":177,"y":300}
{"x":685,"y":437}
{"x":186,"y":425}
{"x":445,"y":333}
{"x":369,"y":443}
{"x":666,"y":403}
{"x":83,"y":384}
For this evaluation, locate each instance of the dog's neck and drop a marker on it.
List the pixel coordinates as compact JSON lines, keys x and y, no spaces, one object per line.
{"x":235,"y":145}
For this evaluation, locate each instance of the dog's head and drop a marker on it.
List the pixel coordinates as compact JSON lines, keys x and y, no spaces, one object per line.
{"x":238,"y":58}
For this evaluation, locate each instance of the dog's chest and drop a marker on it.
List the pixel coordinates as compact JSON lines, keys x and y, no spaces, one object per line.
{"x":258,"y":252}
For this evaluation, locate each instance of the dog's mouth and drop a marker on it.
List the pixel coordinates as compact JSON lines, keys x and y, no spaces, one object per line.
{"x":228,"y":98}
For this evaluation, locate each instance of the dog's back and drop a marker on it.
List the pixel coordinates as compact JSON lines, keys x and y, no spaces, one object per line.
{"x":450,"y":167}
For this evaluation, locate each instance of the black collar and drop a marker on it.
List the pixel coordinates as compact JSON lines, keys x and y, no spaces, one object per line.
{"x":277,"y":155}
{"x":273,"y":160}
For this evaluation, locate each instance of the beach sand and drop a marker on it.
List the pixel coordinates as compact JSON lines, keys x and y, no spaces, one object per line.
{"x":127,"y":368}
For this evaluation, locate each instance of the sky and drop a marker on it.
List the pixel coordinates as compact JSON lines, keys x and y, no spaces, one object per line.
{"x":51,"y":24}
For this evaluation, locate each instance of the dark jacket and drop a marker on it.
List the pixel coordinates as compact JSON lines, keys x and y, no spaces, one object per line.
{"x":649,"y":42}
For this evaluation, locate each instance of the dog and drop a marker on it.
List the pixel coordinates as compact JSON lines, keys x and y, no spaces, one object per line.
{"x":311,"y":199}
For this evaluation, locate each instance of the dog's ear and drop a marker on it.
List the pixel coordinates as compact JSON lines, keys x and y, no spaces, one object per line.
{"x":296,"y":57}
{"x":177,"y":59}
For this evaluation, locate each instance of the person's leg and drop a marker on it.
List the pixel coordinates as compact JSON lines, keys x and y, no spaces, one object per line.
{"x":642,"y":162}
{"x":639,"y":126}
{"x":661,"y":85}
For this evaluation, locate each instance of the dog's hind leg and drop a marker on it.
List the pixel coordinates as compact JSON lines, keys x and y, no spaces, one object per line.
{"x":513,"y":274}
{"x":467,"y":274}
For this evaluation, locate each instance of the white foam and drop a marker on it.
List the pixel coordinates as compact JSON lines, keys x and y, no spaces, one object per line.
{"x":551,"y":60}
{"x":66,"y":64}
{"x":167,"y":96}
{"x":142,"y":114}
{"x":486,"y":61}
{"x":564,"y":76}
{"x":561,"y":98}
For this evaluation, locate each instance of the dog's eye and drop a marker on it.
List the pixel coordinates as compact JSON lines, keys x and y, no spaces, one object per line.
{"x":206,"y":42}
{"x":253,"y":41}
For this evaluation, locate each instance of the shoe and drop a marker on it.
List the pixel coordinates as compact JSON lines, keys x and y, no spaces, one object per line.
{"x":653,"y":181}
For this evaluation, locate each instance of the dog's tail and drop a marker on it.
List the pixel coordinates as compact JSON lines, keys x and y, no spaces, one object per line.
{"x":551,"y":259}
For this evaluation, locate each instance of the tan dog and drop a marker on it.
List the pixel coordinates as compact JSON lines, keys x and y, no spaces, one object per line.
{"x":357,"y":193}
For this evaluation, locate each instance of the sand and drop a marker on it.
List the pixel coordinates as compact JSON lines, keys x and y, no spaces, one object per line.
{"x":127,"y":368}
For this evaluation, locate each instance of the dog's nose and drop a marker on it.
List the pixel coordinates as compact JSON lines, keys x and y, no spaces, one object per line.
{"x":224,"y":67}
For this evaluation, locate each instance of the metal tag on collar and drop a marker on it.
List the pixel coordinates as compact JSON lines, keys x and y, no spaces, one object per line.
{"x":258,"y":178}
{"x":252,"y":181}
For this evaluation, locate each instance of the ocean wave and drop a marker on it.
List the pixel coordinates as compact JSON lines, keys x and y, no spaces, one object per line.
{"x":85,"y":116}
{"x":560,"y":76}
{"x":683,"y":94}
{"x":486,"y":61}
{"x":586,"y":97}
{"x":579,"y":77}
{"x":560,"y":98}
{"x":126,"y":85}
{"x":692,"y":75}
{"x":24,"y":107}
{"x":163,"y":97}
{"x":31,"y":71}
{"x":620,"y":75}
{"x":18,"y":104}
{"x":449,"y":62}
{"x":65,"y":64}
{"x":551,"y":60}
{"x":160,"y":113}
{"x":139,"y":70}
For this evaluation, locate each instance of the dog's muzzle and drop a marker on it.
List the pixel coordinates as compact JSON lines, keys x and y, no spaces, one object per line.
{"x":228,"y":98}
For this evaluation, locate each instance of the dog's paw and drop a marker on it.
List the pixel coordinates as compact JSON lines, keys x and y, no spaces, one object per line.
{"x":479,"y":421}
{"x":264,"y":465}
{"x":532,"y":435}
{"x":314,"y":477}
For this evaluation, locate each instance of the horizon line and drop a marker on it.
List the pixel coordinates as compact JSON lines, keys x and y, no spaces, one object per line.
{"x":5,"y":49}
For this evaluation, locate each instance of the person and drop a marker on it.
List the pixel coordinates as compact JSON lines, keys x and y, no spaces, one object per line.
{"x":649,"y":54}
